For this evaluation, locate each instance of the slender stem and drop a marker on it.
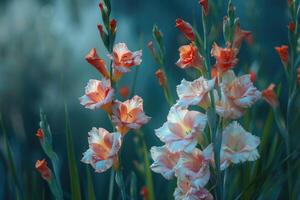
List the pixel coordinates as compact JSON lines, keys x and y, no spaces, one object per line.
{"x":111,"y":184}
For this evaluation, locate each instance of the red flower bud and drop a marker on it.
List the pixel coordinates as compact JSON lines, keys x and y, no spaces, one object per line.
{"x":41,"y":166}
{"x":204,"y":4}
{"x":252,"y":76}
{"x":161,"y":77}
{"x":292,"y":26}
{"x":186,"y":29}
{"x":113,"y":25}
{"x":40,"y":133}
{"x":144,"y":193}
{"x":270,"y":96}
{"x":283,"y":52}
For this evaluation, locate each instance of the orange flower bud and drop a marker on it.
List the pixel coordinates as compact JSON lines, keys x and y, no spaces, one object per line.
{"x":43,"y":169}
{"x":214,"y":74}
{"x":186,"y":29}
{"x":292,"y":26}
{"x":124,"y":91}
{"x":283,"y":52}
{"x":152,"y":49}
{"x":113,"y":25}
{"x":270,"y":96}
{"x":204,"y":4}
{"x":161,"y":77}
{"x":40,"y":133}
{"x":97,"y":62}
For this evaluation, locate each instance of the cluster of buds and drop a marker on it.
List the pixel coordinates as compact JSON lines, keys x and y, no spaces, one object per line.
{"x":188,"y":153}
{"x":129,"y":115}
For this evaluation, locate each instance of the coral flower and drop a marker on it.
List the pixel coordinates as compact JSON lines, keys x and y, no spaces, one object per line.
{"x":292,"y":26}
{"x":123,"y":58}
{"x":204,"y":4}
{"x":182,"y":129}
{"x":189,"y":57}
{"x":225,"y":57}
{"x":185,"y":191}
{"x":164,"y":161}
{"x":238,"y":145}
{"x":98,"y":94}
{"x":129,"y":114}
{"x":270,"y":96}
{"x":103,"y":149}
{"x":241,"y":35}
{"x":194,"y":167}
{"x":42,"y":167}
{"x":283,"y":52}
{"x":195,"y":92}
{"x":186,"y":29}
{"x":97,"y":62}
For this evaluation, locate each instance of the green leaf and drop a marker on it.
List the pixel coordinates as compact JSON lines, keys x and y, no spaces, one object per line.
{"x":73,"y":171}
{"x":90,"y":185}
{"x":133,"y":186}
{"x":121,"y":184}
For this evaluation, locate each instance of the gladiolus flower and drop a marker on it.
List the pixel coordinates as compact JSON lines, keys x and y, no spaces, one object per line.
{"x":98,"y":94}
{"x":240,"y":90}
{"x":237,"y":93}
{"x":129,"y":114}
{"x":103,"y":149}
{"x":40,"y":133}
{"x":225,"y":57}
{"x":194,"y":167}
{"x":182,"y":129}
{"x":204,"y":4}
{"x":43,"y":169}
{"x":238,"y":145}
{"x":184,"y":191}
{"x":270,"y":96}
{"x":195,"y":92}
{"x":164,"y":161}
{"x":189,"y":57}
{"x":152,"y":49}
{"x":241,"y":35}
{"x":123,"y":58}
{"x":292,"y":26}
{"x":283,"y":52}
{"x":161,"y":77}
{"x":186,"y":29}
{"x":97,"y":62}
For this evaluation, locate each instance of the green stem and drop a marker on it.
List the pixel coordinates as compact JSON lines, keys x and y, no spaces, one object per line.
{"x":111,"y":184}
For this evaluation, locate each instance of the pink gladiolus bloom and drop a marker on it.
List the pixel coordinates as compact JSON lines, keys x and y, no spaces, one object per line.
{"x":238,"y":93}
{"x":182,"y":129}
{"x":103,"y":149}
{"x":164,"y":161}
{"x":189,"y":57}
{"x":184,"y":191}
{"x":129,"y":114}
{"x":194,"y":167}
{"x":123,"y":58}
{"x":238,"y":145}
{"x":97,"y":62}
{"x":98,"y":94}
{"x":195,"y":92}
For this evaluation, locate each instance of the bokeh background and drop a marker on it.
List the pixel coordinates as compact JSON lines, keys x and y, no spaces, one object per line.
{"x":42,"y":48}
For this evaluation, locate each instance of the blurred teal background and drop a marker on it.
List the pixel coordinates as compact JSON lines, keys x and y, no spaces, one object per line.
{"x":42,"y":48}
